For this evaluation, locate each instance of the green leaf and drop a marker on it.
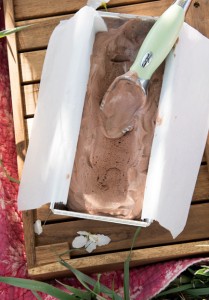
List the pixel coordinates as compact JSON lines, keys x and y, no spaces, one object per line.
{"x":6,"y":32}
{"x":38,"y":286}
{"x":191,"y":270}
{"x":80,"y":278}
{"x":134,"y":238}
{"x":198,"y":292}
{"x":88,"y":280}
{"x":178,"y":289}
{"x":183,"y":279}
{"x":127,"y":266}
{"x":126,"y":280}
{"x":77,"y":292}
{"x":199,"y":283}
{"x":36,"y":295}
{"x":97,"y":287}
{"x":203,"y":272}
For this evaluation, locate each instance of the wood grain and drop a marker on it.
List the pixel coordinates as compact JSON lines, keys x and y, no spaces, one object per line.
{"x":37,"y":36}
{"x":15,"y":86}
{"x":50,"y":253}
{"x":28,"y":9}
{"x":45,"y":215}
{"x":114,"y":261}
{"x":29,"y":236}
{"x":30,"y":98}
{"x":144,"y":9}
{"x":201,"y":191}
{"x":31,"y":65}
{"x":121,"y":235}
{"x":20,"y":136}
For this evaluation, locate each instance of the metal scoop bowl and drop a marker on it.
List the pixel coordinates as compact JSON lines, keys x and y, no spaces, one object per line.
{"x":128,"y":92}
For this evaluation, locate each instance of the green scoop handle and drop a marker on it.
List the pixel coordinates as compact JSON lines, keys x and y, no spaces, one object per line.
{"x":159,"y":41}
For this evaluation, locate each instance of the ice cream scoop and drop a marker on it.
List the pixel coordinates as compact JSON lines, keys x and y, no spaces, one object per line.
{"x":117,"y":119}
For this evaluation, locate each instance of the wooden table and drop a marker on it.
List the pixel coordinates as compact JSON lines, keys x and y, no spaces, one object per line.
{"x":26,"y":53}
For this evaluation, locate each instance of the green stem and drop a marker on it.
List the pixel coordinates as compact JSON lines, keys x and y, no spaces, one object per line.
{"x":127,"y":266}
{"x":12,"y":179}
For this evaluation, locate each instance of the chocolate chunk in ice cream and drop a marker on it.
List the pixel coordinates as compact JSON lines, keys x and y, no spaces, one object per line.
{"x":116,"y":134}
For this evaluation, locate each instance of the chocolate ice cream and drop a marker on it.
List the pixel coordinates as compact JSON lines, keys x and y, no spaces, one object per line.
{"x":116,"y":134}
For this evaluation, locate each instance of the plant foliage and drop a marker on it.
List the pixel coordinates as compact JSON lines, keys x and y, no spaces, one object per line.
{"x":6,"y":32}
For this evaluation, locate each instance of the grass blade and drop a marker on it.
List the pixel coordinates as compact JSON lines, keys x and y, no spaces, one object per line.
{"x":126,"y":280}
{"x":36,"y":295}
{"x":202,"y":272}
{"x":198,"y":292}
{"x":77,"y":292}
{"x":6,"y":174}
{"x":97,"y":287}
{"x":88,"y":280}
{"x":136,"y":234}
{"x":178,"y":289}
{"x":37,"y":286}
{"x":127,"y":266}
{"x":81,"y":278}
{"x":6,"y":32}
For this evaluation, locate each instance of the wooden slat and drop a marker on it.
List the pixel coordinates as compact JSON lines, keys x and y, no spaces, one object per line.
{"x":15,"y":86}
{"x":31,"y":65}
{"x":201,"y":191}
{"x":197,"y":228}
{"x":32,"y":61}
{"x":197,"y":16}
{"x":30,"y":93}
{"x":28,"y":9}
{"x":29,"y":236}
{"x":37,"y":36}
{"x":20,"y":136}
{"x":50,"y":253}
{"x":45,"y":214}
{"x":114,"y":261}
{"x":155,"y":8}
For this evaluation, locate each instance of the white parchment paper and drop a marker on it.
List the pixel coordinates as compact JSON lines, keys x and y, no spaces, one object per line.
{"x":181,"y":132}
{"x":50,"y":156}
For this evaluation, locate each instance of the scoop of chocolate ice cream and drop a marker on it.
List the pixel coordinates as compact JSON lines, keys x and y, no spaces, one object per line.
{"x":110,"y":168}
{"x":121,"y":103}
